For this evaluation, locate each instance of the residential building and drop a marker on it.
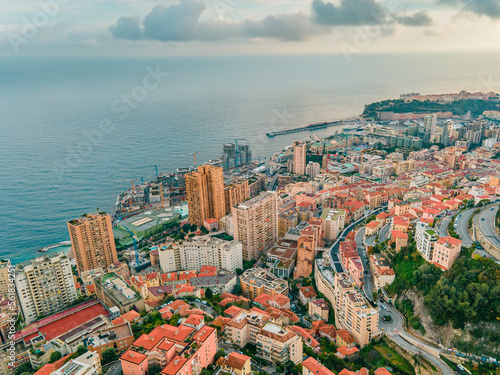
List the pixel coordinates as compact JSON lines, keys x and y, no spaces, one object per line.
{"x":205,"y":194}
{"x":256,"y":224}
{"x":425,"y":238}
{"x":119,"y":337}
{"x":446,"y":251}
{"x":235,"y":193}
{"x":382,"y":273}
{"x":281,"y":258}
{"x":312,"y":367}
{"x":86,"y":364}
{"x":121,"y":269}
{"x":255,"y":281}
{"x":113,"y":291}
{"x":236,"y":363}
{"x":299,"y":158}
{"x":278,"y":344}
{"x":333,"y":222}
{"x":352,"y":312}
{"x":201,"y":251}
{"x":44,"y":285}
{"x":5,"y":270}
{"x":400,"y":239}
{"x":93,"y":241}
{"x":306,"y":294}
{"x":219,"y":283}
{"x":313,"y":169}
{"x":318,"y":308}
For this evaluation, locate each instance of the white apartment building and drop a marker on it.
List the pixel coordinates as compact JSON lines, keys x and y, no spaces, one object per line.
{"x":202,"y":251}
{"x":333,"y":222}
{"x":425,"y":238}
{"x":44,"y":285}
{"x":87,"y":364}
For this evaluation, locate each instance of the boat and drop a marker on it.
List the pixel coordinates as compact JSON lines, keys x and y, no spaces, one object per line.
{"x":351,"y":127}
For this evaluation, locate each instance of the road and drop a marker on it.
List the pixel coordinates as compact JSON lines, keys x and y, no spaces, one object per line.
{"x":368,"y":284}
{"x":443,"y":226}
{"x":485,"y":221}
{"x":385,"y":232}
{"x":395,"y":329}
{"x":462,"y":224}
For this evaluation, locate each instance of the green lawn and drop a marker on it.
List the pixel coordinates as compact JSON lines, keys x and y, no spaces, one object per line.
{"x":395,"y":359}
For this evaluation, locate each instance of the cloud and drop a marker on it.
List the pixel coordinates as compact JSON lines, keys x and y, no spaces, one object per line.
{"x":418,"y":19}
{"x":489,"y":8}
{"x":348,"y":13}
{"x":181,"y":22}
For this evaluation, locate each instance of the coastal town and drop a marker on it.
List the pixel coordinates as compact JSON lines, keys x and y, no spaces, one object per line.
{"x":374,"y":250}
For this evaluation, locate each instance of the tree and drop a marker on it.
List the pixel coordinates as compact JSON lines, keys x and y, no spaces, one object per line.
{"x":81,"y":350}
{"x":209,"y":294}
{"x":154,"y":370}
{"x":108,"y":355}
{"x":218,"y":354}
{"x":239,"y":271}
{"x":55,"y":356}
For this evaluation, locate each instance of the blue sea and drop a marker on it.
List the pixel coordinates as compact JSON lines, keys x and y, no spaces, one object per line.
{"x":74,"y":132}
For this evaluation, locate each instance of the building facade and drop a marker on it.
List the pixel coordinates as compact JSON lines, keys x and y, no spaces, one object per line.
{"x":205,"y":194}
{"x":255,"y":224}
{"x":44,"y":285}
{"x":93,"y":241}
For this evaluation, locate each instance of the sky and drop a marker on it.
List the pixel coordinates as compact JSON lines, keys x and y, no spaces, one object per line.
{"x":218,"y":27}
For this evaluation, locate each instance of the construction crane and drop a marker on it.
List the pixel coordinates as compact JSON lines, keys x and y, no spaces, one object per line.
{"x":191,"y":153}
{"x":237,"y":152}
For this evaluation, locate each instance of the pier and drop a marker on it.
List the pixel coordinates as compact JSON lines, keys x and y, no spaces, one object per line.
{"x":320,"y":125}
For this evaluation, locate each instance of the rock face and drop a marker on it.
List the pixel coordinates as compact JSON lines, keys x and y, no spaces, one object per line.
{"x":441,"y":335}
{"x":447,"y":335}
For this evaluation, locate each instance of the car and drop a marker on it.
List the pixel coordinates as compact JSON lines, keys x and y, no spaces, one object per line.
{"x":492,"y":208}
{"x":383,"y":307}
{"x":482,"y":219}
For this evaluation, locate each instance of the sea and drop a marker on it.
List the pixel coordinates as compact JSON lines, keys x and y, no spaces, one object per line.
{"x":74,"y":132}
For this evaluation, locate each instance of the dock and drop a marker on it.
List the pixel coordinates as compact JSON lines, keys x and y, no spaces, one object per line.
{"x":320,"y":125}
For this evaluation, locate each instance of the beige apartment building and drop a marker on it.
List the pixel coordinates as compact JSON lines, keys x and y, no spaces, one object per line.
{"x":44,"y":285}
{"x":205,"y":194}
{"x":256,"y":281}
{"x":274,"y":342}
{"x":255,"y":224}
{"x":4,"y":278}
{"x":93,"y":241}
{"x":236,"y":193}
{"x":299,"y":158}
{"x":352,"y":312}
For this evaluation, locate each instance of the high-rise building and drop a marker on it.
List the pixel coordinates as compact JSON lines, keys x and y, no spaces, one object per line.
{"x":430,"y":123}
{"x":93,"y":241}
{"x":447,"y":128}
{"x":205,"y":194}
{"x":313,"y":169}
{"x":5,"y":266}
{"x":255,"y":224}
{"x":235,"y":193}
{"x":299,"y":158}
{"x":44,"y":285}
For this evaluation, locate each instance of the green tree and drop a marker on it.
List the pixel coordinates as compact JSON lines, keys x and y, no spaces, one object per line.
{"x":81,"y":350}
{"x":55,"y":356}
{"x":220,"y":353}
{"x":109,"y":355}
{"x":239,"y":271}
{"x":154,"y":370}
{"x":209,"y":294}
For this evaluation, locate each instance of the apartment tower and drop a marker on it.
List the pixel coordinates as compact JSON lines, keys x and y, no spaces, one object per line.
{"x":205,"y":194}
{"x":93,"y":241}
{"x":44,"y":285}
{"x":255,"y":224}
{"x":299,"y":158}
